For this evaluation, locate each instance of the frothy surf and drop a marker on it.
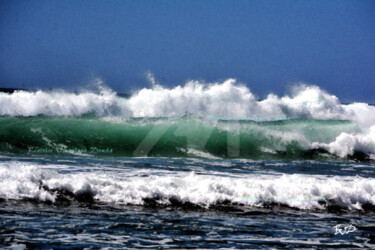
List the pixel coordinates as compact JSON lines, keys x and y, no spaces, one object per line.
{"x":308,"y":192}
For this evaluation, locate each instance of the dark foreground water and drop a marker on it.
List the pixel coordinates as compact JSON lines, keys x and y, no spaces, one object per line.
{"x":58,"y":201}
{"x":92,"y":226}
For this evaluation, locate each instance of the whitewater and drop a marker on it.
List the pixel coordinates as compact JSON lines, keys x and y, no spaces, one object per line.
{"x":129,"y":186}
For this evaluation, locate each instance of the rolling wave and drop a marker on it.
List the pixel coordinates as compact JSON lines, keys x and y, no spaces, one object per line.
{"x":205,"y":120}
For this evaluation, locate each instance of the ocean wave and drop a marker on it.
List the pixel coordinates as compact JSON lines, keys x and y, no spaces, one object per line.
{"x":212,"y":104}
{"x":27,"y":181}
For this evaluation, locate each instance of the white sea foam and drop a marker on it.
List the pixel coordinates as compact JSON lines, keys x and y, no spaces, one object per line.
{"x":229,"y":99}
{"x":24,"y":180}
{"x":61,"y":103}
{"x":346,"y":144}
{"x":222,"y":99}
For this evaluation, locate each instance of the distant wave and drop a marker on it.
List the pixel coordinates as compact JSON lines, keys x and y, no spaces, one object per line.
{"x":208,"y":104}
{"x":28,"y":181}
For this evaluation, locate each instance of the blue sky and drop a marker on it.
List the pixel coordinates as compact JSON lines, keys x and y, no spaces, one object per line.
{"x":265,"y":44}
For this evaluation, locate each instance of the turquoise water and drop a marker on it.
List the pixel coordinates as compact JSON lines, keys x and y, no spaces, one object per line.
{"x":172,"y":137}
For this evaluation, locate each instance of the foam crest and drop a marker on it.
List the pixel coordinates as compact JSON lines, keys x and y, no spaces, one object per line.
{"x":21,"y":181}
{"x":309,"y":102}
{"x":229,"y":99}
{"x":218,"y":99}
{"x":221,"y":99}
{"x":61,"y":103}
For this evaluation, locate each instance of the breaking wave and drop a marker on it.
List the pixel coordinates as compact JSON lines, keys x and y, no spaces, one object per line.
{"x":308,"y":121}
